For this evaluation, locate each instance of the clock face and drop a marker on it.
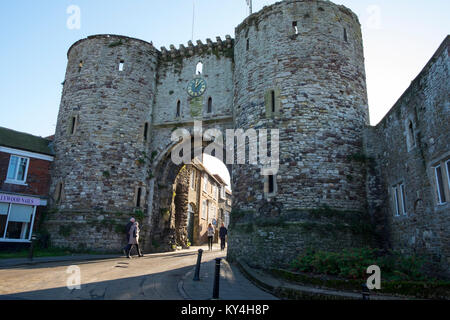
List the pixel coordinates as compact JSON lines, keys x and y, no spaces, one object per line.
{"x":196,"y":87}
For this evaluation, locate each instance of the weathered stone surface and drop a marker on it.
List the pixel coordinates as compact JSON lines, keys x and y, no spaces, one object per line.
{"x":403,"y":156}
{"x":315,"y":76}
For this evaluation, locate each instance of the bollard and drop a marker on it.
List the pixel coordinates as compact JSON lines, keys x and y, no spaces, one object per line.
{"x":365,"y":292}
{"x":216,"y":279}
{"x":197,"y":267}
{"x":31,"y":252}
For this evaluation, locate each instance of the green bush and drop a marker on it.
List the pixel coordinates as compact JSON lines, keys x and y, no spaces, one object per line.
{"x":353,"y":264}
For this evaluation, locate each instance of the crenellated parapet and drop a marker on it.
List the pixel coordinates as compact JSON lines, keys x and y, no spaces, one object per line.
{"x":220,"y":46}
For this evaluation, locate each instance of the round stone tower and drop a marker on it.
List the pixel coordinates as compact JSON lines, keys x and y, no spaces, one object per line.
{"x":299,"y":68}
{"x":102,"y":131}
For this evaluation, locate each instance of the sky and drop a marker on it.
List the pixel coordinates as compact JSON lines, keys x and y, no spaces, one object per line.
{"x":399,"y":36}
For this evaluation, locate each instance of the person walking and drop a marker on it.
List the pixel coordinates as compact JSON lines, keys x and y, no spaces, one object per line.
{"x":134,"y":240}
{"x":222,"y":234}
{"x":210,"y":236}
{"x":127,"y":234}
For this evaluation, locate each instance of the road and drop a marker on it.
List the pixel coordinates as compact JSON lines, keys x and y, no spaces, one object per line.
{"x":153,"y":277}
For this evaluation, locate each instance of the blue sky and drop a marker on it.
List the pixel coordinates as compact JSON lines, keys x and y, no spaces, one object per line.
{"x":399,"y":36}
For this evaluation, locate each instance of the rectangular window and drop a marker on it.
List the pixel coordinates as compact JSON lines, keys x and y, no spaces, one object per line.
{"x":396,"y":200}
{"x":294,"y":26}
{"x":72,"y":125}
{"x":4,"y":209}
{"x":204,"y":208}
{"x":138,"y":197}
{"x":193,"y":179}
{"x":447,"y":166}
{"x":205,"y":183}
{"x":17,"y":170}
{"x":403,"y":194}
{"x":16,"y":221}
{"x":439,"y":185}
{"x":121,"y":65}
{"x":271,"y":184}
{"x":272,"y":100}
{"x":146,"y":131}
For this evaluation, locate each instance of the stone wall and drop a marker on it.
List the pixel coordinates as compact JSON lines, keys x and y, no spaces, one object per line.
{"x":318,"y":82}
{"x":274,"y":240}
{"x":99,"y":138}
{"x":406,"y":144}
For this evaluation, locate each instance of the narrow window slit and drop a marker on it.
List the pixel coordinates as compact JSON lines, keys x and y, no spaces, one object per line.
{"x":178,"y":109}
{"x":272,"y":96}
{"x":138,"y":197}
{"x":209,"y":110}
{"x":145,"y":131}
{"x":294,"y":26}
{"x":271,"y":183}
{"x":199,"y":69}
{"x":73,"y":125}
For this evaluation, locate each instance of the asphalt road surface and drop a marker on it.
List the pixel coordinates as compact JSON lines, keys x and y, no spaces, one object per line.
{"x":153,"y":277}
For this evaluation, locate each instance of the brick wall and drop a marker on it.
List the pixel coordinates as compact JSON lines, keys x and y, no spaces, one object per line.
{"x":38,"y":177}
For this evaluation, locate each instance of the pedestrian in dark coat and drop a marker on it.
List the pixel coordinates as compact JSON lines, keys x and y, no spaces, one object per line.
{"x":222,"y":235}
{"x":127,"y":234}
{"x":134,"y":240}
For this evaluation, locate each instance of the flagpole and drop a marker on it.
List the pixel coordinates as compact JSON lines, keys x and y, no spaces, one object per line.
{"x":193,"y":19}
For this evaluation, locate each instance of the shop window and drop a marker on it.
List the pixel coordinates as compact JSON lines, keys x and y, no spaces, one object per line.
{"x":17,"y":170}
{"x":16,"y":221}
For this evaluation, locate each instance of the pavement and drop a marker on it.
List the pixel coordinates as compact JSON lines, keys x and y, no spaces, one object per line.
{"x":233,"y":285}
{"x":158,"y":276}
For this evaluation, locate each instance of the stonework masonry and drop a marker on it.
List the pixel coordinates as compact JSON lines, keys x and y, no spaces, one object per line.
{"x":403,"y":148}
{"x":295,"y":66}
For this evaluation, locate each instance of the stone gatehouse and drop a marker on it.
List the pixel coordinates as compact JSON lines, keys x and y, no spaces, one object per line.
{"x":295,"y":66}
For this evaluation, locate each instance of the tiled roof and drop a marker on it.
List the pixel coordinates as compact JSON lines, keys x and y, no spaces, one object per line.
{"x":24,"y":141}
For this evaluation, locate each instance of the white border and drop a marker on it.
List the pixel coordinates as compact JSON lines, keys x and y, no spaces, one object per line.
{"x":437,"y":184}
{"x":26,"y":153}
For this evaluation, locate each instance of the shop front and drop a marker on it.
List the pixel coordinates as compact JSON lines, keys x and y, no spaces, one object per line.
{"x":17,"y":217}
